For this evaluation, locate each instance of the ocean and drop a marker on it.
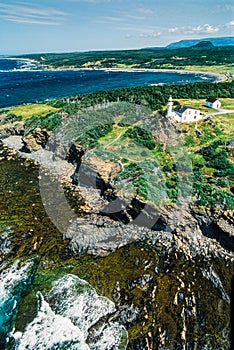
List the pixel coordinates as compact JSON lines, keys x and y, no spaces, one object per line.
{"x":25,"y":82}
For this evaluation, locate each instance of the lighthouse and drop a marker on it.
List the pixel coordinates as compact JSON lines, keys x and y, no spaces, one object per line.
{"x":170,"y":113}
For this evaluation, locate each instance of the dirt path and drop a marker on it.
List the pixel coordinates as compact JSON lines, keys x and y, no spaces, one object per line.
{"x":117,"y":138}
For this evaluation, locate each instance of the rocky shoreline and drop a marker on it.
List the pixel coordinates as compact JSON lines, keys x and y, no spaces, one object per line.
{"x":99,"y":233}
{"x":171,"y":283}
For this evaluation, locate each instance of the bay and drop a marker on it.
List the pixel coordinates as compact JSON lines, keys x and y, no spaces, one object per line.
{"x":23,"y":81}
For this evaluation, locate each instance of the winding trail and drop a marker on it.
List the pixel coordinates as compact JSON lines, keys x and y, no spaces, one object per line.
{"x":113,"y":141}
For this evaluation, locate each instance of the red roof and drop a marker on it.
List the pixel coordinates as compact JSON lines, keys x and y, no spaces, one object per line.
{"x":211,"y":99}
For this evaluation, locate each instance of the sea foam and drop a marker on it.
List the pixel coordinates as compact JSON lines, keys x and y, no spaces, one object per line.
{"x":73,"y":316}
{"x":13,"y":282}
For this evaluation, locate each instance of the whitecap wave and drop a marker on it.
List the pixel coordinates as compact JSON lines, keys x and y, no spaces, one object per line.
{"x":13,"y":281}
{"x":73,"y":316}
{"x":21,"y":65}
{"x":50,"y":331}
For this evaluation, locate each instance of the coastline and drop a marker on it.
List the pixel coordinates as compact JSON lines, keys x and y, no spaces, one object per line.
{"x":219,"y":77}
{"x":60,"y":171}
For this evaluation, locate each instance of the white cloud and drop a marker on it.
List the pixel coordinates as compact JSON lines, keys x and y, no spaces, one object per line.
{"x":137,"y":18}
{"x":150,"y":35}
{"x":145,"y":29}
{"x":205,"y":29}
{"x":141,"y":31}
{"x":230,"y":24}
{"x":226,"y":7}
{"x":201,"y":29}
{"x":28,"y":12}
{"x":173,"y":30}
{"x":113,"y":19}
{"x":126,"y":18}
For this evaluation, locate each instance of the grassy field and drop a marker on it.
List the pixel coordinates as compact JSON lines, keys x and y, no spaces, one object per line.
{"x":27,"y":111}
{"x":227,"y":103}
{"x":113,"y":137}
{"x":223,"y":128}
{"x":226,"y":123}
{"x":196,"y":104}
{"x":220,"y":69}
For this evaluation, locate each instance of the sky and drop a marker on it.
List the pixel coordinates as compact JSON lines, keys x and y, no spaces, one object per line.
{"x":83,"y":25}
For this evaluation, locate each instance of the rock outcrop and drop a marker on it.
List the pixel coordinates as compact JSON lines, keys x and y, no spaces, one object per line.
{"x":35,"y":141}
{"x":97,"y":173}
{"x":100,"y":235}
{"x":7,"y":131}
{"x":217,"y":225}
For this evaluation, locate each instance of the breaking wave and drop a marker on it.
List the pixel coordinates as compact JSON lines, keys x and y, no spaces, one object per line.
{"x":13,"y":282}
{"x":70,"y":316}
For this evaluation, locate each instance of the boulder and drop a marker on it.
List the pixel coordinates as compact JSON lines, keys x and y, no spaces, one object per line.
{"x":35,"y":141}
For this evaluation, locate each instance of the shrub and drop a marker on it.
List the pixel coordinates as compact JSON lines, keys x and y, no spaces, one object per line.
{"x":90,"y":137}
{"x":222,"y":183}
{"x":142,"y":136}
{"x":49,"y":122}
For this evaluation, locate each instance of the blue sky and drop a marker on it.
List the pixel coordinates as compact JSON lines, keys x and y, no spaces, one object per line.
{"x":80,"y":25}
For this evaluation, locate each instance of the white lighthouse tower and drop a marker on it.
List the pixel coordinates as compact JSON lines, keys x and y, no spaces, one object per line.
{"x":170,"y":113}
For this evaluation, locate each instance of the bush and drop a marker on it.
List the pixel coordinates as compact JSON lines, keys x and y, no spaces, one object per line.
{"x":142,"y":136}
{"x":189,"y":141}
{"x":49,"y":122}
{"x":217,"y":158}
{"x":90,"y":138}
{"x":222,"y":183}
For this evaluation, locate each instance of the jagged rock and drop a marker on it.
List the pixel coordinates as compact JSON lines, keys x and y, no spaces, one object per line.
{"x":60,"y":149}
{"x":35,"y":141}
{"x":9,"y":131}
{"x":29,"y":144}
{"x":75,"y":153}
{"x":100,"y":236}
{"x":41,"y":136}
{"x":217,"y":225}
{"x":97,"y":173}
{"x":71,"y":152}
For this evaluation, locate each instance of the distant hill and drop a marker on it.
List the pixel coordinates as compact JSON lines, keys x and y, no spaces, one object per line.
{"x":206,"y":44}
{"x":224,"y":41}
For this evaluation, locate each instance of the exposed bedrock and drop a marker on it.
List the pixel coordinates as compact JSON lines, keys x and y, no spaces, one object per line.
{"x":35,"y":141}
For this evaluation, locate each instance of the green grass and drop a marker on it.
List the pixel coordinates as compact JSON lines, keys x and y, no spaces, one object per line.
{"x":113,"y":137}
{"x":220,"y":69}
{"x":123,"y":147}
{"x":226,"y":123}
{"x":223,"y":129}
{"x":28,"y":111}
{"x":227,"y":103}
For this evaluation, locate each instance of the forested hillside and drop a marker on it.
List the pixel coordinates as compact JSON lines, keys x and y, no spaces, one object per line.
{"x":145,"y":58}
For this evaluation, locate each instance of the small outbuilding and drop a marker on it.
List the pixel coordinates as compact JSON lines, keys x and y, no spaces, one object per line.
{"x":213,"y":103}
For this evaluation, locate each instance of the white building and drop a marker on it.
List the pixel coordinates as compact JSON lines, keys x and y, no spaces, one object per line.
{"x":213,"y":103}
{"x":170,"y":112}
{"x":183,"y":114}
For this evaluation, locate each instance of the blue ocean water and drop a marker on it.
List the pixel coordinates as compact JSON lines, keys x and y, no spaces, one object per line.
{"x":24,"y":82}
